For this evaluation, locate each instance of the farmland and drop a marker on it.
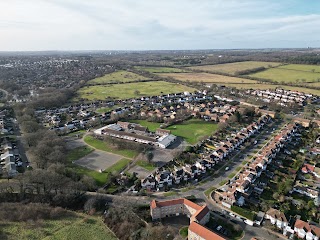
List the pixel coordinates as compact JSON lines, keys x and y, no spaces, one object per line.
{"x":160,"y":69}
{"x":130,"y":90}
{"x":73,"y":227}
{"x":206,"y":77}
{"x":292,"y":75}
{"x":117,"y":77}
{"x":302,"y":67}
{"x":233,"y":68}
{"x":273,"y":86}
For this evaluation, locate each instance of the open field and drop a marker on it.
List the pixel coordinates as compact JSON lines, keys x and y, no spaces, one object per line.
{"x":74,"y":227}
{"x":130,"y":90}
{"x":160,"y":69}
{"x":101,"y":145}
{"x":232,"y":68}
{"x":302,"y":67}
{"x":152,"y":126}
{"x":206,"y":77}
{"x":117,"y":77}
{"x":273,"y":86}
{"x":193,"y":130}
{"x":287,"y":75}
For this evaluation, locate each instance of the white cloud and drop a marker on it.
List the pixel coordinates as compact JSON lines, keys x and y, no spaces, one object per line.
{"x":147,"y":24}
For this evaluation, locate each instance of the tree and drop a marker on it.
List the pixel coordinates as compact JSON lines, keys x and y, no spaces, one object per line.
{"x":149,"y":156}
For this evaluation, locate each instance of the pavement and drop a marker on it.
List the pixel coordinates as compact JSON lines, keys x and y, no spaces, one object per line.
{"x":98,"y":160}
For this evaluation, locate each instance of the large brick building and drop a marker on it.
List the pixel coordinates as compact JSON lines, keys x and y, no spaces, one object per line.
{"x":199,"y":216}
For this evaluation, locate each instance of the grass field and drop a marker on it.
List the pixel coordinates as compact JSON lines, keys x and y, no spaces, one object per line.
{"x":78,"y":153}
{"x":232,"y":68}
{"x":273,"y":86}
{"x":101,"y":145}
{"x":145,"y":165}
{"x":193,"y":130}
{"x":288,"y":75}
{"x":130,"y":90}
{"x":302,"y":67}
{"x":206,"y":77}
{"x":152,"y":126}
{"x":72,"y":228}
{"x":160,"y":69}
{"x":117,"y":77}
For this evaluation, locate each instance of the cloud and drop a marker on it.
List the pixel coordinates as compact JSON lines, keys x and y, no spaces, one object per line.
{"x":165,"y":24}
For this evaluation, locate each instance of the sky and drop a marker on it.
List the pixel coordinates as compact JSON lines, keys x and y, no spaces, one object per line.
{"x":36,"y":25}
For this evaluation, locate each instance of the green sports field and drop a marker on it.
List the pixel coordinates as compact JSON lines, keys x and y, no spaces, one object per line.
{"x":130,"y":90}
{"x":193,"y":130}
{"x":117,"y":77}
{"x":233,"y":68}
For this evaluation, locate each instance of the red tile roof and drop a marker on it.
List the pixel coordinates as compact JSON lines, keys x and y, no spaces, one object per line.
{"x":204,"y":232}
{"x":309,"y":228}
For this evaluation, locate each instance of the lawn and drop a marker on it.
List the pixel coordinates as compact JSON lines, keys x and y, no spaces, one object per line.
{"x":76,"y":227}
{"x":78,"y":153}
{"x":206,"y":77}
{"x":145,"y":165}
{"x":168,"y":194}
{"x":288,"y":75}
{"x":160,"y":69}
{"x":117,"y":77}
{"x":209,"y":191}
{"x":193,"y":130}
{"x":101,"y":145}
{"x":273,"y":86}
{"x":152,"y":126}
{"x":130,"y":90}
{"x":232,"y":68}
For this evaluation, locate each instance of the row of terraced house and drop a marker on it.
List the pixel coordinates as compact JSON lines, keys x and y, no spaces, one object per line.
{"x":243,"y":185}
{"x":192,"y":172}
